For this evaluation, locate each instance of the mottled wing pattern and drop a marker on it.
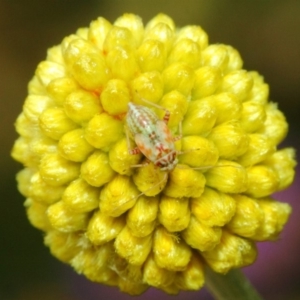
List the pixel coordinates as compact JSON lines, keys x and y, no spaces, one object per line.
{"x":165,"y":135}
{"x":146,"y":146}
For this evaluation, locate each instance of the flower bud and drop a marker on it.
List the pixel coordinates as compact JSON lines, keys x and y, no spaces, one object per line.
{"x":21,"y":153}
{"x":198,"y":152}
{"x":134,"y":24}
{"x":232,"y":252}
{"x":118,"y":37}
{"x":194,"y":33}
{"x":187,"y":51}
{"x":228,"y":107}
{"x":63,"y":246}
{"x":121,"y":160}
{"x":283,"y":162}
{"x":60,"y":88}
{"x":92,"y":263}
{"x":238,"y":82}
{"x":177,"y":104}
{"x":200,"y":236}
{"x":169,"y":252}
{"x":141,"y":218}
{"x":151,"y":55}
{"x":57,"y":171}
{"x":149,"y":179}
{"x":235,"y":61}
{"x":200,"y":118}
{"x":185,"y":182}
{"x":73,"y":146}
{"x":207,"y":80}
{"x":73,"y":47}
{"x":260,"y":90}
{"x":148,"y":85}
{"x":24,"y":178}
{"x":118,"y":196}
{"x":65,"y":220}
{"x":122,"y":64}
{"x":37,"y":215}
{"x":259,"y":149}
{"x":162,"y":32}
{"x":248,"y":217}
{"x":134,"y":249}
{"x":253,"y":116}
{"x":35,"y":87}
{"x":42,"y":192}
{"x":275,"y":217}
{"x":103,"y":228}
{"x":79,"y":196}
{"x":215,"y":55}
{"x":96,"y":170}
{"x":115,"y":97}
{"x":192,"y":278}
{"x":25,"y":127}
{"x":98,"y":31}
{"x":103,"y":130}
{"x":54,"y":54}
{"x":155,"y":275}
{"x":180,"y":77}
{"x":227,"y":177}
{"x":174,"y":213}
{"x":54,"y":123}
{"x":47,"y":71}
{"x":262,"y":181}
{"x":81,"y":106}
{"x":275,"y":126}
{"x":236,"y":142}
{"x":35,"y":105}
{"x":213,"y":208}
{"x":90,"y":71}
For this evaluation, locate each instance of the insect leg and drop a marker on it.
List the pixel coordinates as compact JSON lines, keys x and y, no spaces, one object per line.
{"x":140,"y":165}
{"x":166,"y":117}
{"x":209,"y":167}
{"x":179,"y":136}
{"x":133,"y":151}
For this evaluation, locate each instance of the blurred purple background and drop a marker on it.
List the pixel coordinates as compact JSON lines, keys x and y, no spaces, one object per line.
{"x":267,"y":34}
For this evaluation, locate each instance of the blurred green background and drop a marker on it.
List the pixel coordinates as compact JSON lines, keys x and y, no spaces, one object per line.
{"x":266,"y":33}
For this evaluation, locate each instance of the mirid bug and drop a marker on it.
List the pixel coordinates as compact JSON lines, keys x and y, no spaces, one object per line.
{"x":152,"y":136}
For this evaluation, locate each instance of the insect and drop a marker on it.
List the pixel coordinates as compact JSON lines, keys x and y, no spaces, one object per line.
{"x":152,"y":136}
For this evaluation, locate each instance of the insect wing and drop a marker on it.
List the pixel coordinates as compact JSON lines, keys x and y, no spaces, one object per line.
{"x":146,"y":146}
{"x":164,"y":135}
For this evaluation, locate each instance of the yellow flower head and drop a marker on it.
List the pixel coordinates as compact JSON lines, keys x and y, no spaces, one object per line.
{"x":135,"y":227}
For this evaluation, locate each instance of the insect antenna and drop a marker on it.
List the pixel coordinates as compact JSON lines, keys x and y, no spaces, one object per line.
{"x":154,"y":186}
{"x":208,"y":167}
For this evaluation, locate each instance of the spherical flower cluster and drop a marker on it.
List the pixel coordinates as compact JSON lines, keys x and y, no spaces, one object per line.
{"x":136,"y":227}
